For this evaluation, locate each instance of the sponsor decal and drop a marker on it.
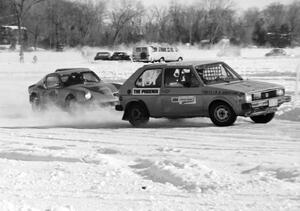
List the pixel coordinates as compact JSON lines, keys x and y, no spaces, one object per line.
{"x":145,"y":91}
{"x":183,"y":100}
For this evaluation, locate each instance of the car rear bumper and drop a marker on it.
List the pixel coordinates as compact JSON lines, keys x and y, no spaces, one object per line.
{"x":261,"y":107}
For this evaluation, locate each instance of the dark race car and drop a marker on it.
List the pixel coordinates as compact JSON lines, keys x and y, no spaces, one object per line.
{"x":120,"y":56}
{"x":66,"y":87}
{"x":277,"y":52}
{"x":102,"y":56}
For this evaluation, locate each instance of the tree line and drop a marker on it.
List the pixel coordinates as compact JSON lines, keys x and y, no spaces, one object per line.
{"x":108,"y":23}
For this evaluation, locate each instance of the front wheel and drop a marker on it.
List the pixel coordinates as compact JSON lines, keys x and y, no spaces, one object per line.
{"x":221,"y":114}
{"x":35,"y":104}
{"x":263,"y":118}
{"x":138,"y":115}
{"x":70,"y":104}
{"x":180,"y":59}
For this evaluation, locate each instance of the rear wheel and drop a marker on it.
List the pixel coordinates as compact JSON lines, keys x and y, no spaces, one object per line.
{"x":162,"y":59}
{"x":221,"y":114}
{"x":138,"y":115}
{"x":263,"y":118}
{"x":179,"y":59}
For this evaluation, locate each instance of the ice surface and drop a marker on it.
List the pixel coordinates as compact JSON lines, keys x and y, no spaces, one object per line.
{"x":91,"y":160}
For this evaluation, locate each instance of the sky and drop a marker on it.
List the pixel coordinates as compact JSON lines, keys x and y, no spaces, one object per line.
{"x":240,"y":4}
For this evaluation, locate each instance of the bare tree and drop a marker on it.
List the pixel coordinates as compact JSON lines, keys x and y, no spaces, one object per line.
{"x":123,"y":15}
{"x":21,"y":9}
{"x":293,"y":18}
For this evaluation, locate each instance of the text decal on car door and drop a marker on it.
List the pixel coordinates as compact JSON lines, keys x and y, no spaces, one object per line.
{"x":145,"y":91}
{"x":182,"y":100}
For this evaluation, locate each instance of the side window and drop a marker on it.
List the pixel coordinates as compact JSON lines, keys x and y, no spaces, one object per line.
{"x":150,"y":79}
{"x":162,"y":49}
{"x":180,"y":77}
{"x":154,"y":49}
{"x":52,"y":81}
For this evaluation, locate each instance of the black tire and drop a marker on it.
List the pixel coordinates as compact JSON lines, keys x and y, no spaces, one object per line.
{"x":221,"y":114}
{"x":162,"y":59}
{"x":138,"y":115}
{"x":143,"y":55}
{"x":180,"y":59}
{"x":70,"y":103}
{"x":263,"y":119}
{"x":35,"y":103}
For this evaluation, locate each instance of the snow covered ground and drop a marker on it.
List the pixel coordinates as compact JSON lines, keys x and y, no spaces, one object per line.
{"x":94,"y":161}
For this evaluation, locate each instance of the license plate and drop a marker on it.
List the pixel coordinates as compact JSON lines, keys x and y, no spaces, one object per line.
{"x":273,"y":102}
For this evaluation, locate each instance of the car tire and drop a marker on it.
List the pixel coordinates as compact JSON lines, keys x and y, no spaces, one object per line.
{"x":35,"y":103}
{"x":70,"y":103}
{"x":143,"y":55}
{"x":263,"y":119}
{"x":221,"y":114}
{"x":138,"y":115}
{"x":180,"y":59}
{"x":162,"y":60}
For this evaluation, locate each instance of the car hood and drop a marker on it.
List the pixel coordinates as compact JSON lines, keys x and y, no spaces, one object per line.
{"x":247,"y":86}
{"x":102,"y":88}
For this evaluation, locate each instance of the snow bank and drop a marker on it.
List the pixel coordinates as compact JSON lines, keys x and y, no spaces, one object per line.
{"x":189,"y":175}
{"x":289,"y":113}
{"x":268,"y":172}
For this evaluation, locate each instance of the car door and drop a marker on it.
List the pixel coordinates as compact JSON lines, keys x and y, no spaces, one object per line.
{"x":181,"y":93}
{"x":52,"y":84}
{"x":147,"y":89}
{"x":173,"y":55}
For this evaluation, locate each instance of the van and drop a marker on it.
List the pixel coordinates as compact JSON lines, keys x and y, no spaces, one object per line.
{"x":156,"y":53}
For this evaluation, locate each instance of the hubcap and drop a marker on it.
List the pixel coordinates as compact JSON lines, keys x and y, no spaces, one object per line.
{"x":136,"y":114}
{"x":222,"y":113}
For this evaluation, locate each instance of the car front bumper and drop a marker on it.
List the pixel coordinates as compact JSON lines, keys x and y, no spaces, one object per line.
{"x":119,"y":107}
{"x":265,"y":106}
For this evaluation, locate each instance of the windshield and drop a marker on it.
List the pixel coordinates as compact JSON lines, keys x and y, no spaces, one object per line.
{"x":103,"y":54}
{"x":80,"y":78}
{"x":217,"y":73}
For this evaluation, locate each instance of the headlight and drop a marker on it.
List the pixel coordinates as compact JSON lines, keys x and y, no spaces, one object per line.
{"x":256,"y":96}
{"x":280,"y":92}
{"x":88,"y":95}
{"x":248,"y":98}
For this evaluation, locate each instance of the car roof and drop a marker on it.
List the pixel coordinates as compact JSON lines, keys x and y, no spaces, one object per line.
{"x":72,"y":70}
{"x":184,"y":63}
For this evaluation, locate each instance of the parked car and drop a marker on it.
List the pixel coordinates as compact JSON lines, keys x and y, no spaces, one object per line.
{"x":197,"y":89}
{"x":105,"y":55}
{"x":120,"y":55}
{"x":66,"y":87}
{"x":156,"y":53}
{"x":277,"y":52}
